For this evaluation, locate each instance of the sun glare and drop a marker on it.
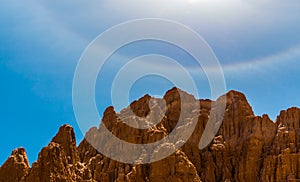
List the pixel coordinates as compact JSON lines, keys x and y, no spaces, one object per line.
{"x":192,"y":1}
{"x":210,"y":1}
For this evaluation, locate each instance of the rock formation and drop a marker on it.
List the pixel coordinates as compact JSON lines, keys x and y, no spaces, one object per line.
{"x":246,"y":147}
{"x":16,"y":166}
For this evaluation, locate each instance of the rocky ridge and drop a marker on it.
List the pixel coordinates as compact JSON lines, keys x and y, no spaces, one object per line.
{"x":246,"y":147}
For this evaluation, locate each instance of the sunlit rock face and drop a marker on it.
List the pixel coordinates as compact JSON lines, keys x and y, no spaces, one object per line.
{"x":246,"y":147}
{"x":16,"y":166}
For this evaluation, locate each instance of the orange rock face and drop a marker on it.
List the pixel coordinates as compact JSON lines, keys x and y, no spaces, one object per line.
{"x":16,"y":166}
{"x":245,"y":148}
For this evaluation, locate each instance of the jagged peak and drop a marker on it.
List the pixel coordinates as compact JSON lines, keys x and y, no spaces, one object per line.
{"x":20,"y":155}
{"x":15,"y":167}
{"x":144,"y":98}
{"x":236,"y":94}
{"x":65,"y":131}
{"x":109,"y":109}
{"x":19,"y":151}
{"x":266,"y":116}
{"x":289,"y":117}
{"x":66,"y":138}
{"x":290,"y":110}
{"x":235,"y":97}
{"x":172,"y":89}
{"x":175,"y":93}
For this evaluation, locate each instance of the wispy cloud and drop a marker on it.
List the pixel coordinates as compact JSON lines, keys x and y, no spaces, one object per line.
{"x":277,"y":60}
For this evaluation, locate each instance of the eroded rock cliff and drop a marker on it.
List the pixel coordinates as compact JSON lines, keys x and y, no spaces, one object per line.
{"x":246,"y":147}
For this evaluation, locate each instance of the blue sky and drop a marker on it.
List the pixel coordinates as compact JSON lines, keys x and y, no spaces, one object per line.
{"x":257,"y":43}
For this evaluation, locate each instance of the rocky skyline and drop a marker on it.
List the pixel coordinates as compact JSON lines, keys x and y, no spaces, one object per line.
{"x":246,"y":148}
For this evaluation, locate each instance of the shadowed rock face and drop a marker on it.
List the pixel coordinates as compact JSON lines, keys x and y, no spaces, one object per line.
{"x":246,"y":147}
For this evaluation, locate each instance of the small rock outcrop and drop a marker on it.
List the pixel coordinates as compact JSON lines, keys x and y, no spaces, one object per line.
{"x":245,"y":148}
{"x":16,"y":166}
